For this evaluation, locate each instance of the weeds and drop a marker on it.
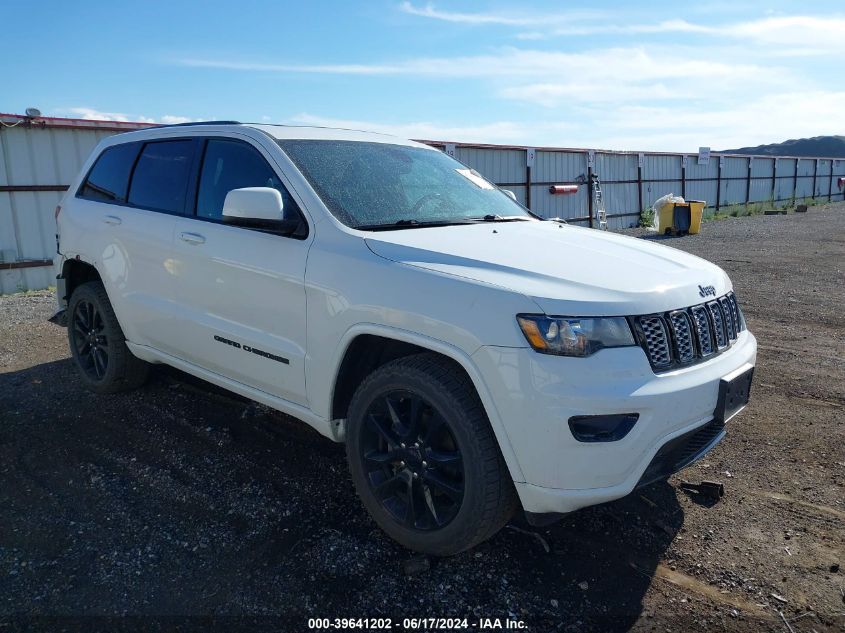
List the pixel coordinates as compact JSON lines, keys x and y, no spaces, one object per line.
{"x":647,"y":218}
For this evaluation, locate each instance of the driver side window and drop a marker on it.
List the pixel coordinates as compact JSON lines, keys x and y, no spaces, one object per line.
{"x":231,"y":165}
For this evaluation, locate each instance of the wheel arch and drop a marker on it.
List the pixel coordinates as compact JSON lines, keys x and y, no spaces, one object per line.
{"x":350,"y":368}
{"x":76,"y":272}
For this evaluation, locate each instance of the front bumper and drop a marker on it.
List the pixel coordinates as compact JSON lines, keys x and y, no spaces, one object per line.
{"x":534,"y":396}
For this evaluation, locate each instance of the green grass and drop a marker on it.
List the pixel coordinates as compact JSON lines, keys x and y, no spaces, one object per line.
{"x":739,"y":210}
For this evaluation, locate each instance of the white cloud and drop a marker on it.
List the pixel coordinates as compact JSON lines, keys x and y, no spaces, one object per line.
{"x":611,"y":63}
{"x":169,"y":119}
{"x":92,"y":114}
{"x":665,"y":26}
{"x":552,"y":78}
{"x":522,"y":18}
{"x":556,"y":94}
{"x":800,"y":34}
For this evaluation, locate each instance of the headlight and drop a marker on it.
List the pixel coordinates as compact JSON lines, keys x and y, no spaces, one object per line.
{"x":567,"y":336}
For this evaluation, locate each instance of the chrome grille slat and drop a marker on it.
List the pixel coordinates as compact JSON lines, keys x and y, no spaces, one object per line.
{"x":681,"y":337}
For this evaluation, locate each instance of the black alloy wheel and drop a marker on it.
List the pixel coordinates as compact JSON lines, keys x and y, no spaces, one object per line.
{"x":89,"y":338}
{"x":98,"y":345}
{"x":423,"y":456}
{"x":412,"y":462}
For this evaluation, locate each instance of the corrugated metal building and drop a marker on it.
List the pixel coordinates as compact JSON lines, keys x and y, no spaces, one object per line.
{"x":39,"y":158}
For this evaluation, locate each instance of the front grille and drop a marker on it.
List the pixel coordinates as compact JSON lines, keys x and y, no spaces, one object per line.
{"x":682,"y":337}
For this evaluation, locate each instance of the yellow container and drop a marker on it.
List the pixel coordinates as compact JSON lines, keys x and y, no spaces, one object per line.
{"x":696,"y":211}
{"x":665,"y":217}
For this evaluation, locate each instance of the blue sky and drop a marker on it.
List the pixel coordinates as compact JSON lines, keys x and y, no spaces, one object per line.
{"x":617,"y":75}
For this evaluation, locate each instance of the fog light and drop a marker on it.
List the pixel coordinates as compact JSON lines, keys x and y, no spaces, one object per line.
{"x":602,"y":428}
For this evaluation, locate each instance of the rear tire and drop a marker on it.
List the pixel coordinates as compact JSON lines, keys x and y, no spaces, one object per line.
{"x":424,"y":459}
{"x":97,"y":343}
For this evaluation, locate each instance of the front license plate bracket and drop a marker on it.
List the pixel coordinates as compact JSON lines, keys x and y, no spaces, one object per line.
{"x":734,"y":393}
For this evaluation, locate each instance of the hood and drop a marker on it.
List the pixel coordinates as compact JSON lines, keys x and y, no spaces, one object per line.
{"x":566,"y":270}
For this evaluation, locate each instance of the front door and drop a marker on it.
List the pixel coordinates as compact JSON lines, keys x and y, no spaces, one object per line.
{"x":239,"y":302}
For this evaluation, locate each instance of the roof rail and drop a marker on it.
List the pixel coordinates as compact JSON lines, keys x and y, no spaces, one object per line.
{"x":202,"y":123}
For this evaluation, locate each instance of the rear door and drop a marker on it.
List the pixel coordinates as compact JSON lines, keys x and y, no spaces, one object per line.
{"x":129,"y":201}
{"x":239,"y":291}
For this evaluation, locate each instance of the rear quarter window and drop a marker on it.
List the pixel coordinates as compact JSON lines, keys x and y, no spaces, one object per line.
{"x":108,"y":180}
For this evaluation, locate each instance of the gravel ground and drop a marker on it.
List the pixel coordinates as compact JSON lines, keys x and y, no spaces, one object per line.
{"x":181,"y":507}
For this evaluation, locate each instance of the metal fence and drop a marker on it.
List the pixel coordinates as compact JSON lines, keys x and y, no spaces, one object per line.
{"x":632,"y":181}
{"x":40,"y":157}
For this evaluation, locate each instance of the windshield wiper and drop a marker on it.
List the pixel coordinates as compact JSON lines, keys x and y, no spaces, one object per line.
{"x":412,"y":224}
{"x":500,"y":218}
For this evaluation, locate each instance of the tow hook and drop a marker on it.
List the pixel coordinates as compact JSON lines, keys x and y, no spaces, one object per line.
{"x":714,"y":490}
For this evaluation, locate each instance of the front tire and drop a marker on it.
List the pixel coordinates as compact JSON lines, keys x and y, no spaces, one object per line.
{"x":98,"y":345}
{"x":424,"y":459}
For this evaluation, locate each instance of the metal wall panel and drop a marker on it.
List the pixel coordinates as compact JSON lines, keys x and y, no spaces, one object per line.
{"x":497,"y":165}
{"x":735,"y":167}
{"x":615,"y":166}
{"x":761,"y":190}
{"x":559,"y":206}
{"x":823,"y":178}
{"x":32,"y":156}
{"x":733,"y":192}
{"x":559,"y":167}
{"x":762,"y":167}
{"x":662,"y":167}
{"x":710,"y":170}
{"x":620,"y":198}
{"x":702,"y":190}
{"x":786,"y":184}
{"x":654,"y":190}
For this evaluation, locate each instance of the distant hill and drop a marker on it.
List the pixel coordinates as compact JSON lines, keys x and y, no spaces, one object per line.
{"x":825,"y":146}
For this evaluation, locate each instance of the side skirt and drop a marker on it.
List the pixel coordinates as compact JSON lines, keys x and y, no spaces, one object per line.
{"x":325,"y":427}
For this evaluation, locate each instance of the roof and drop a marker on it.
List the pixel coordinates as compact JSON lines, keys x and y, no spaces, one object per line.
{"x":282,"y":132}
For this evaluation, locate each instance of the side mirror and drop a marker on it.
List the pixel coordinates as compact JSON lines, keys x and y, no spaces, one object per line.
{"x":260,"y":208}
{"x":510,"y":194}
{"x":260,"y":204}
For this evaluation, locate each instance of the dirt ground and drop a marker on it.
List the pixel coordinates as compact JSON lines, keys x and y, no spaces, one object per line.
{"x":181,"y":507}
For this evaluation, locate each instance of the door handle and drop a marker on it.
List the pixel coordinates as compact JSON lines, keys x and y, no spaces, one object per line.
{"x":112,"y":219}
{"x":192,"y":238}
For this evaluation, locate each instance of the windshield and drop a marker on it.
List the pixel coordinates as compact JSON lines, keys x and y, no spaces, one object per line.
{"x":376,"y":185}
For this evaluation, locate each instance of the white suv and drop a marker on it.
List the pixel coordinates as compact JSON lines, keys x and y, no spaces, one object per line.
{"x":472,"y":356}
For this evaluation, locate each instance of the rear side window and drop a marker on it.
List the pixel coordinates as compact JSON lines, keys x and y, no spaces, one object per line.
{"x":109,"y":178}
{"x":233,"y":165}
{"x":160,"y":180}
